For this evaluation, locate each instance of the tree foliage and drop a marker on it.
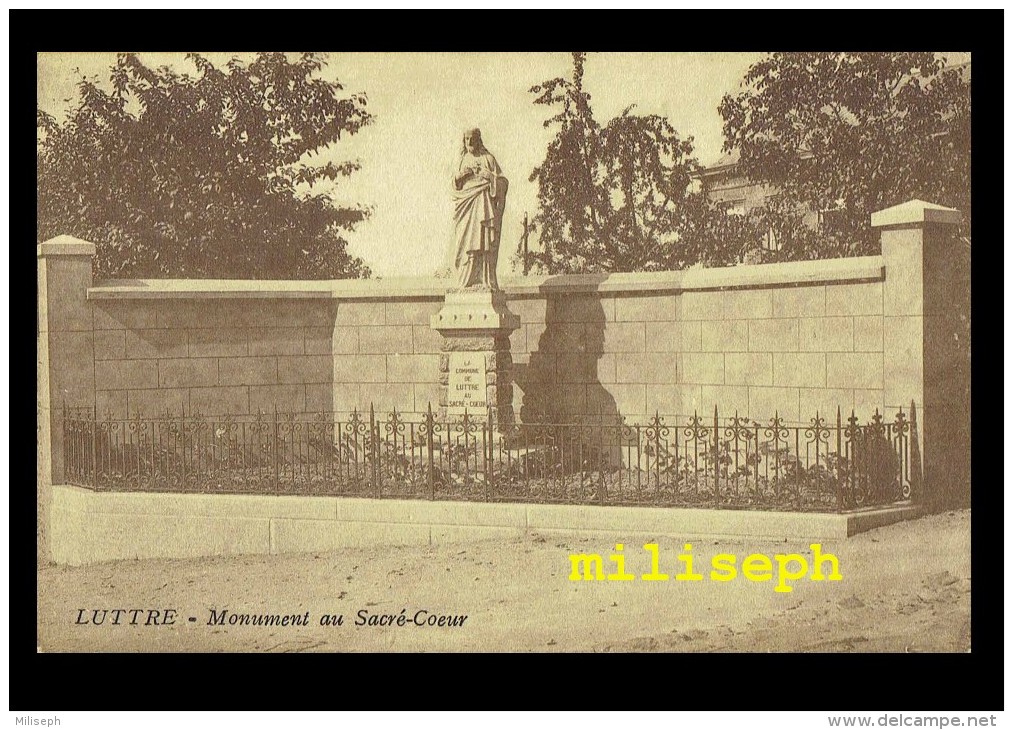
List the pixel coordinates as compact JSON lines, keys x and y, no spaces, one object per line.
{"x":852,"y":133}
{"x":612,"y":197}
{"x":207,"y":175}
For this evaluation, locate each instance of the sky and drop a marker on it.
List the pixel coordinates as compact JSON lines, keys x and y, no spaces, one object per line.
{"x":422,"y":102}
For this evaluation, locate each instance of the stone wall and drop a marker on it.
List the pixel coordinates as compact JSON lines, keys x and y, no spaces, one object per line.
{"x":228,"y":356}
{"x":793,"y":338}
{"x":752,"y":339}
{"x":790,"y":338}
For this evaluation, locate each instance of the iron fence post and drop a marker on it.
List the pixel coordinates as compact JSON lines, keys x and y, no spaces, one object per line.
{"x":837,"y":480}
{"x":487,"y":451}
{"x":717,"y":453}
{"x":429,"y":449}
{"x":374,"y":447}
{"x":277,"y":483}
{"x":94,"y":448}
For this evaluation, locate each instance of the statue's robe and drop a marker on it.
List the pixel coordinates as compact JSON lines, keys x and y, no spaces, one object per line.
{"x":478,"y":218}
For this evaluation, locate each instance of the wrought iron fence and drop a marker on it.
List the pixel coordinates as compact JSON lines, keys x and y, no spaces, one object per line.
{"x":702,"y":461}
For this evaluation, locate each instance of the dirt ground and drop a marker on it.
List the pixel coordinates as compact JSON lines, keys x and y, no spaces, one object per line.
{"x":905,"y":588}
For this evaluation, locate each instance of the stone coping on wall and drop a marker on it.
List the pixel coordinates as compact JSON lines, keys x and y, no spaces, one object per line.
{"x":794,"y":273}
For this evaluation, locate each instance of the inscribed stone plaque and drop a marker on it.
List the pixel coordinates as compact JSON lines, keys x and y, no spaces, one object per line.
{"x":466,"y":384}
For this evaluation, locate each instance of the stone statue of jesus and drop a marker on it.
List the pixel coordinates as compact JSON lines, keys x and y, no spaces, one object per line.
{"x":479,"y":195}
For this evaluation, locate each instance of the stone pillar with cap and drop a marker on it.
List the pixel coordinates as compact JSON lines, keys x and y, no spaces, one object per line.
{"x":66,"y":359}
{"x":475,"y":363}
{"x":926,"y":329}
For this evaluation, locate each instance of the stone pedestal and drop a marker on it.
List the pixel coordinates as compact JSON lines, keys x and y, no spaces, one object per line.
{"x":475,"y":362}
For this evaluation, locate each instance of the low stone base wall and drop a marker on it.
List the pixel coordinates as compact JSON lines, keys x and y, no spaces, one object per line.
{"x":91,"y":527}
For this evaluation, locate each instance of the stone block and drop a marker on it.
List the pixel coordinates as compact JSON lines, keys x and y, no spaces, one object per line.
{"x":572,"y":399}
{"x":356,"y":369}
{"x":728,"y":398}
{"x":410,"y":312}
{"x":385,"y":339}
{"x":535,"y":337}
{"x":748,"y":368}
{"x":218,"y":342}
{"x":290,"y":398}
{"x":691,"y":397}
{"x":564,"y":337}
{"x":867,"y":402}
{"x":626,"y":337}
{"x":838,"y":334}
{"x":278,"y":340}
{"x":519,"y":339}
{"x":765,"y":402}
{"x":426,"y":340}
{"x":855,"y":299}
{"x":529,"y":310}
{"x":181,"y":372}
{"x":855,"y":370}
{"x":124,"y":374}
{"x":283,"y":313}
{"x":427,"y":394}
{"x":648,"y":308}
{"x":575,"y":368}
{"x":71,"y":364}
{"x":868,"y":334}
{"x":665,"y":336}
{"x":109,"y":344}
{"x":825,"y":334}
{"x":156,"y":343}
{"x":730,"y":304}
{"x":580,"y":308}
{"x":628,"y":368}
{"x":773,"y":335}
{"x":385,"y":397}
{"x":123,"y":315}
{"x":605,"y":369}
{"x":155,"y":402}
{"x":904,"y":285}
{"x":345,"y":397}
{"x":339,"y":340}
{"x":220,"y":400}
{"x":904,"y":359}
{"x":825,"y":402}
{"x":692,"y":336}
{"x":310,"y":368}
{"x":727,"y":336}
{"x":319,"y":397}
{"x":800,"y":369}
{"x":667,"y":402}
{"x":412,"y":368}
{"x":66,"y":281}
{"x":705,"y":368}
{"x":652,"y":368}
{"x":189,"y":313}
{"x":247,"y":370}
{"x":800,"y":301}
{"x":360,"y":313}
{"x":630,"y":399}
{"x":113,"y":402}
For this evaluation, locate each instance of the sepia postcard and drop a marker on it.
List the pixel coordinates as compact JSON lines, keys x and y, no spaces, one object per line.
{"x":504,"y":352}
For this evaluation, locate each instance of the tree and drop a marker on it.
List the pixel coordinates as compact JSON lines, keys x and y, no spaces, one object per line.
{"x":849,"y":134}
{"x":174,"y":175}
{"x":610,"y":198}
